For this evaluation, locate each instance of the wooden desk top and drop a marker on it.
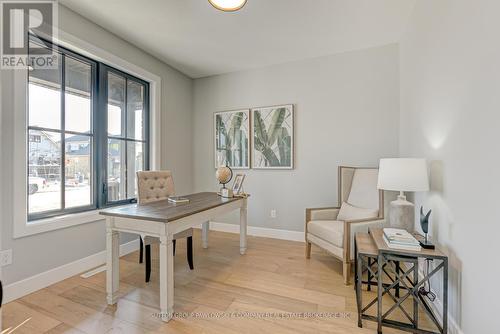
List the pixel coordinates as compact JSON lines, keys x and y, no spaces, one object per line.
{"x":378,"y":239}
{"x":164,"y":211}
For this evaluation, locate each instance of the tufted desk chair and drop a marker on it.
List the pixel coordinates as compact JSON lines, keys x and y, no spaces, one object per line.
{"x":153,"y":186}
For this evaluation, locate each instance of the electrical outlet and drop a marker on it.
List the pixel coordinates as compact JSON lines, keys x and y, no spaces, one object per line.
{"x":6,"y":257}
{"x":273,"y":213}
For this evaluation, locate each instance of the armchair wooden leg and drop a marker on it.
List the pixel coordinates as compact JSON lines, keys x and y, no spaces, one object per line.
{"x":347,"y":272}
{"x":308,"y":250}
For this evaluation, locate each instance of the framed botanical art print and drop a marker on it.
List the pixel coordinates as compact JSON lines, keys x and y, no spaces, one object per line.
{"x":232,"y":138}
{"x":272,"y":135}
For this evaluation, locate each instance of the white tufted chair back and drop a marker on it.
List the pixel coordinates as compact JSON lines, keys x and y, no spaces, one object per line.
{"x":154,"y":186}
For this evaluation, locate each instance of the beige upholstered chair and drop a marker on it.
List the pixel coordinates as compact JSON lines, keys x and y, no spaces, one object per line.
{"x":153,"y":186}
{"x":361,"y":207}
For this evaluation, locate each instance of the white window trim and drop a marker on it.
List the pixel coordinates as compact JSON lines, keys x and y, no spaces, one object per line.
{"x":21,"y":226}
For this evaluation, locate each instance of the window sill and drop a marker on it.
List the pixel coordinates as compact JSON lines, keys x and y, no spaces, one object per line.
{"x":55,"y":223}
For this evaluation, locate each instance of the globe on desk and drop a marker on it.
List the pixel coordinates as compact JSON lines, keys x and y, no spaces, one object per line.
{"x":224,"y":174}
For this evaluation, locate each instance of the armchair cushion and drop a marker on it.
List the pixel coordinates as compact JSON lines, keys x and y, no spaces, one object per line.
{"x":351,"y":212}
{"x":331,"y":231}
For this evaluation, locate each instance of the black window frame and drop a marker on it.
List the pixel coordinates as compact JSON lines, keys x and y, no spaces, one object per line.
{"x":104,"y":70}
{"x":98,"y":133}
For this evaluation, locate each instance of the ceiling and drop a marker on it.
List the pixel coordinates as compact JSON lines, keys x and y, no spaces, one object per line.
{"x":200,"y":41}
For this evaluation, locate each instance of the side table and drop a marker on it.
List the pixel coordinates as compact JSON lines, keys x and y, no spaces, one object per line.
{"x":370,"y":249}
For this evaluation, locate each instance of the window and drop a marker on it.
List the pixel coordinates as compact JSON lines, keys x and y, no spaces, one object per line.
{"x":87,"y":135}
{"x":125,"y":134}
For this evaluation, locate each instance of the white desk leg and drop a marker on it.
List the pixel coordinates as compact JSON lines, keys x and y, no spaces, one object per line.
{"x":112,"y":262}
{"x":243,"y":227}
{"x":166,"y":277}
{"x":204,"y":234}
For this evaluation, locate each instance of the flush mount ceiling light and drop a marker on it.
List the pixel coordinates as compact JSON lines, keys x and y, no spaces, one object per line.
{"x":228,"y":5}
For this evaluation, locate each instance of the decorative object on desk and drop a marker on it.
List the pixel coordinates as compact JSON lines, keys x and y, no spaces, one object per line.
{"x":424,"y":224}
{"x":178,"y":199}
{"x":232,"y":139}
{"x":397,"y":238}
{"x":403,"y":174}
{"x":238,"y":184}
{"x":272,"y":137}
{"x":224,"y":174}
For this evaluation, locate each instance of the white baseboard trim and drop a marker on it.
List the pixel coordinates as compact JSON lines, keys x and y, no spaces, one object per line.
{"x":39,"y":281}
{"x":437,"y":308}
{"x":259,"y":231}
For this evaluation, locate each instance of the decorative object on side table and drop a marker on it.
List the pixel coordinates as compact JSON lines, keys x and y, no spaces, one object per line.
{"x":398,"y":238}
{"x":403,"y":174}
{"x":272,"y":137}
{"x":424,"y":224}
{"x":224,"y":174}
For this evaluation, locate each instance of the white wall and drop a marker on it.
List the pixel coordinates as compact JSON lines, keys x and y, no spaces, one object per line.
{"x":450,"y":113}
{"x":39,"y":253}
{"x":346,"y":113}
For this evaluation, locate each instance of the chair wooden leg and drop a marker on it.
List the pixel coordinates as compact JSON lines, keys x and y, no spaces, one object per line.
{"x":347,"y":272}
{"x":308,"y":250}
{"x":141,"y":250}
{"x":173,"y":242}
{"x":190,"y":252}
{"x":148,"y":262}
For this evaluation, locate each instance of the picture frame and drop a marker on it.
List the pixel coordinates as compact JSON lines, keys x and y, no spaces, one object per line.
{"x":238,"y":183}
{"x":273,"y":137}
{"x":232,"y":138}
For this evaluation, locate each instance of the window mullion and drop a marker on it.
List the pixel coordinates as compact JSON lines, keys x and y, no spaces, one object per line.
{"x":63,"y":135}
{"x":101,"y":132}
{"x":125,"y":136}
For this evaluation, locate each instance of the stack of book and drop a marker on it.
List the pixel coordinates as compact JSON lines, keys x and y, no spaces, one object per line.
{"x":400,"y":239}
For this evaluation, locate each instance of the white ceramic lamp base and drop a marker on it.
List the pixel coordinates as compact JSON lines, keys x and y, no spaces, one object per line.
{"x":402,"y":214}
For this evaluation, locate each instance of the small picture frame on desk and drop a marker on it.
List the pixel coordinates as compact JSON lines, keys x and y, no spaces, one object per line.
{"x":238,"y":184}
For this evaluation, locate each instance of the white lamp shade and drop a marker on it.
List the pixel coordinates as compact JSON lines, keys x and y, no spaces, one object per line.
{"x":403,"y":174}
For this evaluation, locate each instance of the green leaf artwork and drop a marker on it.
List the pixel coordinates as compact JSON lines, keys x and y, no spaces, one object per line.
{"x":232,"y":138}
{"x":273,"y":137}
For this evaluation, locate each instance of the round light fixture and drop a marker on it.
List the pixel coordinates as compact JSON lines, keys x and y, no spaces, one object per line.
{"x":228,"y":5}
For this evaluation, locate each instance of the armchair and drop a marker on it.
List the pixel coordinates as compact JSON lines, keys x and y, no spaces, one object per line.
{"x":361,"y":205}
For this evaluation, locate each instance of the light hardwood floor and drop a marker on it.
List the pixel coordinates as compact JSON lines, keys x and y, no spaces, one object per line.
{"x":273,"y":278}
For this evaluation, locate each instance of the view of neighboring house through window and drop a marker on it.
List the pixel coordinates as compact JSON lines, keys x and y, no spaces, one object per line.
{"x":69,"y":169}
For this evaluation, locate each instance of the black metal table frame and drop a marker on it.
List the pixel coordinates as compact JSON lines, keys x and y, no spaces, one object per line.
{"x":401,"y":281}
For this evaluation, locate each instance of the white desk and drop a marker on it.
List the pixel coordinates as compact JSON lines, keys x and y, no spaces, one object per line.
{"x":162,"y":220}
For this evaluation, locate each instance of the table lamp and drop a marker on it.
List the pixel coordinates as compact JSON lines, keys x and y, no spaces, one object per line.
{"x":403,"y":174}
